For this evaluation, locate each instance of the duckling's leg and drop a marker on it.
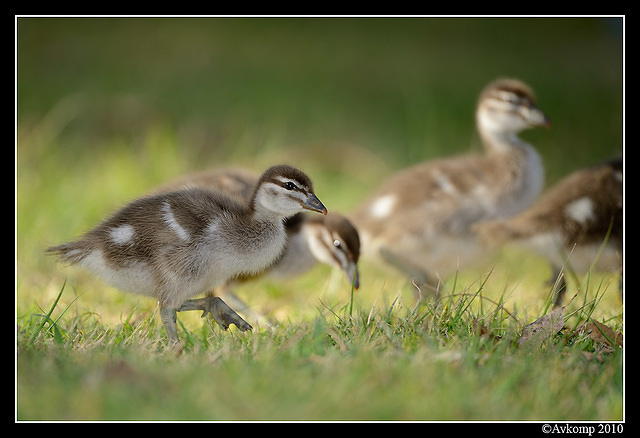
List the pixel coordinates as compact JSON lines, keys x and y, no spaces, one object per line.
{"x":169,"y":317}
{"x":220,"y":312}
{"x":231,"y":298}
{"x":417,"y":276}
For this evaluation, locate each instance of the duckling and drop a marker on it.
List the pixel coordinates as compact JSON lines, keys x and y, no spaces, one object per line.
{"x":419,"y":219}
{"x":576,"y":223}
{"x":330,"y":239}
{"x":176,"y":245}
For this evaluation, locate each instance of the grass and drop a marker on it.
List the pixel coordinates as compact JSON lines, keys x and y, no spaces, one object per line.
{"x":395,"y":362}
{"x":109,"y":109}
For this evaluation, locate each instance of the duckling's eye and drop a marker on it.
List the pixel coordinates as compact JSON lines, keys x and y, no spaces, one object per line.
{"x":337,"y":244}
{"x":290,"y":186}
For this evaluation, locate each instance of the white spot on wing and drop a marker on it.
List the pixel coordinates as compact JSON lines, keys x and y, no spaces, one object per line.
{"x":580,"y":210}
{"x":172,"y":223}
{"x":381,"y":207}
{"x":122,"y":235}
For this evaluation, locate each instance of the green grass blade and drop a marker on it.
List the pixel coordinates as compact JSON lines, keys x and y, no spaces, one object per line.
{"x":47,"y":317}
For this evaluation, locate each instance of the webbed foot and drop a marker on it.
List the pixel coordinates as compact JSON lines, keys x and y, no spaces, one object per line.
{"x":219,"y":311}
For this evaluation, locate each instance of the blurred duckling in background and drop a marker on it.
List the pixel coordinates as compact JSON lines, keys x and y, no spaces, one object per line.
{"x":419,"y":219}
{"x":576,"y":224}
{"x":330,"y":239}
{"x":179,"y":244}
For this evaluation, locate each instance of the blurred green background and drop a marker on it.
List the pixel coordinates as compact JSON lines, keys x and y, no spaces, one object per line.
{"x":110,"y":107}
{"x":403,"y":89}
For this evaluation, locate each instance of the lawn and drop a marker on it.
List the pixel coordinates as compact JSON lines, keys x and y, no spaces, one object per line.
{"x":109,"y":108}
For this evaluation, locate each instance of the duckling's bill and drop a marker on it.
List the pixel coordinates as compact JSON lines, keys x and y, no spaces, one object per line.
{"x":536,"y":117}
{"x":313,"y":203}
{"x":352,"y":275}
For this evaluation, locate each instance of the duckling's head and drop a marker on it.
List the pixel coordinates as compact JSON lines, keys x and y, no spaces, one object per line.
{"x":506,"y":107}
{"x":333,"y":240}
{"x":283,"y":191}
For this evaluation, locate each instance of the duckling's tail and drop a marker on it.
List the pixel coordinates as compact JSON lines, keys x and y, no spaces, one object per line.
{"x":71,"y":252}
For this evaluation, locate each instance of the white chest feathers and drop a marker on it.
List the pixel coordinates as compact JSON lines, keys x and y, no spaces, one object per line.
{"x":250,"y":250}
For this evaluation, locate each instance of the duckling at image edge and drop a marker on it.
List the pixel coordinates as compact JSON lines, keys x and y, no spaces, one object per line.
{"x":577,"y":223}
{"x":176,"y":245}
{"x":419,"y":219}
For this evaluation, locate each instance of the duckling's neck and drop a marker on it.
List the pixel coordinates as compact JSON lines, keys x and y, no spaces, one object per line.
{"x":525,"y":175}
{"x":501,"y":141}
{"x":523,"y":171}
{"x":264,"y":215}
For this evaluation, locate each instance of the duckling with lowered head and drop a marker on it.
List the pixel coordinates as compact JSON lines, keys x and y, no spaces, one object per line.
{"x":176,"y":245}
{"x":576,"y":223}
{"x":419,"y":219}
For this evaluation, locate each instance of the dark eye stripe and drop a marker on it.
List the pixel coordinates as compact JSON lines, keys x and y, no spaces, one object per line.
{"x":290,"y":185}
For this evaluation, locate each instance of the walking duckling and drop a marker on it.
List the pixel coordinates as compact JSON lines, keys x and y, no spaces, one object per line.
{"x":311,"y":239}
{"x":176,"y":245}
{"x":419,"y":220}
